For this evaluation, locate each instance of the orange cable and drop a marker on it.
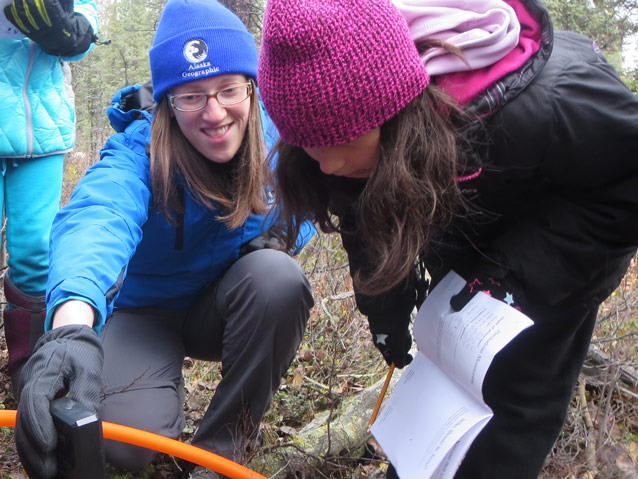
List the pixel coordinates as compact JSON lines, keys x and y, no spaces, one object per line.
{"x":163,"y":444}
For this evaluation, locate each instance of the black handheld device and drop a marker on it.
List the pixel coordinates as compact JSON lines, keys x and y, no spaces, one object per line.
{"x":80,"y":450}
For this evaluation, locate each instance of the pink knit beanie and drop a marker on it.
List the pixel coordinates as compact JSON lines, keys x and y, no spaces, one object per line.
{"x":332,"y":70}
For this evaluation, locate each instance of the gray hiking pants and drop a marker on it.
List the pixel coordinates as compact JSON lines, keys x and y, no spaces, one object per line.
{"x":252,"y":320}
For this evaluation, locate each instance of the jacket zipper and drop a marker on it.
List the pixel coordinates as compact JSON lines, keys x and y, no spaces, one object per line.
{"x":27,"y":105}
{"x":179,"y":230}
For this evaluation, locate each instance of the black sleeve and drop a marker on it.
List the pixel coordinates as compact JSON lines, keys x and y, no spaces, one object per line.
{"x":577,"y":243}
{"x":386,"y":312}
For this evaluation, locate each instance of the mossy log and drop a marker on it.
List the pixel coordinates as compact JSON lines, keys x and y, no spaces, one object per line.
{"x":343,"y":432}
{"x":340,"y":433}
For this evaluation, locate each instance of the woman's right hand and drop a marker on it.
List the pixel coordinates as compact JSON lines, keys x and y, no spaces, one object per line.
{"x":394,"y":345}
{"x":69,"y":359}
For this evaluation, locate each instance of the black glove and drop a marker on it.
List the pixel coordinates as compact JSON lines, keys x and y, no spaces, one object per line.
{"x":394,"y":346}
{"x":391,"y":473}
{"x":66,"y":359}
{"x":491,"y":286}
{"x":53,"y":25}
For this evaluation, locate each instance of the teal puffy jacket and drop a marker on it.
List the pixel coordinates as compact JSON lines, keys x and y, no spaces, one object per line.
{"x":37,"y":116}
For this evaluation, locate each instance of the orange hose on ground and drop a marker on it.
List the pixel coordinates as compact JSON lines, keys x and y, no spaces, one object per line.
{"x":163,"y":444}
{"x":8,"y":418}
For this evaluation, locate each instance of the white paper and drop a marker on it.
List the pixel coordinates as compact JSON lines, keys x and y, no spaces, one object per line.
{"x":437,"y":409}
{"x":427,"y":414}
{"x":449,"y":464}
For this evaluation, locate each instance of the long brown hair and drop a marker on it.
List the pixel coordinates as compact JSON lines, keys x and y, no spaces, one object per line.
{"x":236,"y":187}
{"x":411,"y":196}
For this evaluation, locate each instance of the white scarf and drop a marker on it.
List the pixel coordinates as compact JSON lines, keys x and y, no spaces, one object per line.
{"x":485,"y":31}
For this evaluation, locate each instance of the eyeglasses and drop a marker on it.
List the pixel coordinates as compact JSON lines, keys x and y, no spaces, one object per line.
{"x":231,"y":95}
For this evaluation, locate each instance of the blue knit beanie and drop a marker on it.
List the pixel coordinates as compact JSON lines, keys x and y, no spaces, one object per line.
{"x":197,"y":39}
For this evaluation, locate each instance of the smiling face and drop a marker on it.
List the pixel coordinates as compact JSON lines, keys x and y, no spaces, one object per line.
{"x":216,"y":131}
{"x":356,"y":159}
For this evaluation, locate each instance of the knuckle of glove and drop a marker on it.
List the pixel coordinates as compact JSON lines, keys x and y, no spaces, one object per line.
{"x":43,"y":374}
{"x":86,"y":358}
{"x":37,"y":463}
{"x":403,"y":360}
{"x":35,"y":435}
{"x":70,"y":356}
{"x":459,"y":300}
{"x":30,"y":17}
{"x":34,"y":427}
{"x":394,"y":348}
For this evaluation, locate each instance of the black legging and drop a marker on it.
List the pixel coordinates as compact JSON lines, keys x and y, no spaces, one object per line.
{"x":252,"y":320}
{"x":529,"y":386}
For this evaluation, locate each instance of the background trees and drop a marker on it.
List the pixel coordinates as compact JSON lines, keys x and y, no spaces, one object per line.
{"x":127,"y":28}
{"x":612,"y":23}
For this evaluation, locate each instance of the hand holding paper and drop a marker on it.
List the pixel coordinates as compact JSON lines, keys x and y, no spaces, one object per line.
{"x":437,"y":405}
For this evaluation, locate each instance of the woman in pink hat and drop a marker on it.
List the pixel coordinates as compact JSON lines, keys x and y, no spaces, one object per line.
{"x":437,"y":138}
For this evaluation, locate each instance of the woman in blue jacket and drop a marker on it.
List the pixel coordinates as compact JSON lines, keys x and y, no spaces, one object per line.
{"x":37,"y":127}
{"x":465,"y":136}
{"x":158,"y":252}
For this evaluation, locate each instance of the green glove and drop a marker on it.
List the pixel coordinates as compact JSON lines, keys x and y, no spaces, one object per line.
{"x":53,"y":25}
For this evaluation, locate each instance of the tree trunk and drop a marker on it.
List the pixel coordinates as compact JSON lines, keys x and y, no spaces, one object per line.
{"x":250,"y":12}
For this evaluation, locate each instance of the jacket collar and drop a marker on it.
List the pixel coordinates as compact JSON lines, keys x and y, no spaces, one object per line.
{"x":511,"y":84}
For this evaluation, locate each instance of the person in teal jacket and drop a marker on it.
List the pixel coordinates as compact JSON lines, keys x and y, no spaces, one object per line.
{"x":37,"y":127}
{"x":165,"y":250}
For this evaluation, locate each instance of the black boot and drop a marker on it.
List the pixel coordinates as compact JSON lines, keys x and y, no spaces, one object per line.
{"x":23,"y":324}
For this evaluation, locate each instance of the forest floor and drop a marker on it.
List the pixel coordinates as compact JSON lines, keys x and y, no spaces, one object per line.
{"x":337,"y":360}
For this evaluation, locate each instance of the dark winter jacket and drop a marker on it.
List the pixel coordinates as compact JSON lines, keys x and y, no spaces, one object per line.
{"x":556,"y":200}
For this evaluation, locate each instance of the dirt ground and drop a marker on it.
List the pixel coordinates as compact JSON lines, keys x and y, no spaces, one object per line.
{"x":599,"y":440}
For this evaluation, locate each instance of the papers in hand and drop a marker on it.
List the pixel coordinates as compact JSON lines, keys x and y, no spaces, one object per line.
{"x":437,"y":407}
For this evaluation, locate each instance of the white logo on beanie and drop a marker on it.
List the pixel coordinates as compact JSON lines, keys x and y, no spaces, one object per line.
{"x":196,"y":50}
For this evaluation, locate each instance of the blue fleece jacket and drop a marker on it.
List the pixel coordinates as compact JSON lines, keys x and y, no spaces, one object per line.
{"x":112,"y":250}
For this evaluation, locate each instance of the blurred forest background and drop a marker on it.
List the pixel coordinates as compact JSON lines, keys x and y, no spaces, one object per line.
{"x":337,"y":362}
